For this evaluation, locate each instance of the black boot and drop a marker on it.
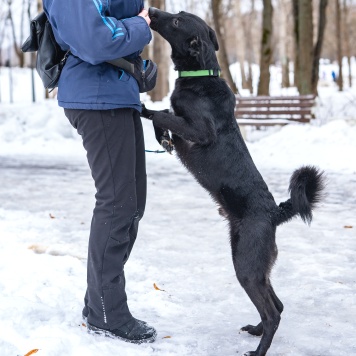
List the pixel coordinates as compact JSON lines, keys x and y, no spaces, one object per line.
{"x":135,"y":331}
{"x":85,"y":317}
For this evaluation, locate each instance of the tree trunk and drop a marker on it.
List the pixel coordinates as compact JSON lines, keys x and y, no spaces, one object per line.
{"x":340,"y":81}
{"x":33,"y":58}
{"x":347,"y":30}
{"x":19,"y":53}
{"x":295,"y":4}
{"x":254,"y":31}
{"x":40,"y":9}
{"x":252,"y":49}
{"x":240,"y":41}
{"x":285,"y":72}
{"x":39,"y":6}
{"x":319,"y":44}
{"x":284,"y":10}
{"x":305,"y":48}
{"x":160,"y":56}
{"x":266,"y":48}
{"x":224,"y":63}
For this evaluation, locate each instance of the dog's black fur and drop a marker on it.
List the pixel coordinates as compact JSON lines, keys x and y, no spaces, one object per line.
{"x":209,"y":143}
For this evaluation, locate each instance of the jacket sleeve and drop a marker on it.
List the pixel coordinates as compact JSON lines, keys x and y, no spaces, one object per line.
{"x":93,"y":36}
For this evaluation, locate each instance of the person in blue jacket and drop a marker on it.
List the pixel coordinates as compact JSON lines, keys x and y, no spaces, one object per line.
{"x":102,"y":102}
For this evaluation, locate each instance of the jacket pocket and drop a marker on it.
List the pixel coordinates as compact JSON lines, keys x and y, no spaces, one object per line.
{"x":123,"y":76}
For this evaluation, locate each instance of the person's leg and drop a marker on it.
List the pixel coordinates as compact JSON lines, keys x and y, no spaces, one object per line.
{"x":141,"y":181}
{"x":109,"y":139}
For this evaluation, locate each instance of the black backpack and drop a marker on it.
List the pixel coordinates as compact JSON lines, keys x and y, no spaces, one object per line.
{"x":51,"y":58}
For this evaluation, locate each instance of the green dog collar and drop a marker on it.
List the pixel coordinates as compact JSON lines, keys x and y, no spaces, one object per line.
{"x":199,"y":73}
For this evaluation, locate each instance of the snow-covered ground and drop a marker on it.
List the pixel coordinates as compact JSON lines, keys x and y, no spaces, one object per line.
{"x":47,"y":196}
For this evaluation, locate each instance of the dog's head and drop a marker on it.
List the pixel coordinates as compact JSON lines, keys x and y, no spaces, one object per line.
{"x":193,"y":42}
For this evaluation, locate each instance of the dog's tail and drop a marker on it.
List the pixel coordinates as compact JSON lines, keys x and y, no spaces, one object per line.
{"x":306,"y":187}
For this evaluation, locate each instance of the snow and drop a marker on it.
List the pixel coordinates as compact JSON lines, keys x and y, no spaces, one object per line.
{"x":47,"y":196}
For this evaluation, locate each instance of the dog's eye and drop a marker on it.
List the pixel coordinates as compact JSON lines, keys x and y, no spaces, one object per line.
{"x":175,"y":22}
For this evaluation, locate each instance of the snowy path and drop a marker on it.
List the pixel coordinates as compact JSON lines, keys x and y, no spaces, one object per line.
{"x":183,"y":247}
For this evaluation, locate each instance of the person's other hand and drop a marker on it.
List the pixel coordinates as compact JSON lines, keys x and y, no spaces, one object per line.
{"x":144,"y":14}
{"x":146,"y":113}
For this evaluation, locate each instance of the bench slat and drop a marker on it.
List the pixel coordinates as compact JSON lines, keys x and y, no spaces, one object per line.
{"x":264,"y":119}
{"x":273,"y":112}
{"x":259,"y":124}
{"x":244,"y":104}
{"x":275,"y":98}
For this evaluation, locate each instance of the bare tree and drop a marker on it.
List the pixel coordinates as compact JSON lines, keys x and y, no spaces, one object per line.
{"x":295,"y":5}
{"x":284,"y":7}
{"x":239,"y":32}
{"x":252,"y":50}
{"x":32,"y":56}
{"x":3,"y":19}
{"x":40,"y":9}
{"x":307,"y":56}
{"x":160,"y":55}
{"x":266,"y":48}
{"x":305,"y":46}
{"x":217,"y":16}
{"x":303,"y":31}
{"x":39,"y":6}
{"x":340,"y":81}
{"x":319,"y":44}
{"x":347,"y":28}
{"x":19,"y":53}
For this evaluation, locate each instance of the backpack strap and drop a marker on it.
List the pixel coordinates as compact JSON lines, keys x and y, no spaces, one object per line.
{"x":123,"y":63}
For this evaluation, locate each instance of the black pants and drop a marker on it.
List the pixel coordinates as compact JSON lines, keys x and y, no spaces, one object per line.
{"x":113,"y":140}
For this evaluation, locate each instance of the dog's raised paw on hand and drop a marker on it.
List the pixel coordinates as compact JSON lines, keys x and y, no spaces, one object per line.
{"x":166,"y":141}
{"x":146,"y":113}
{"x":167,"y":145}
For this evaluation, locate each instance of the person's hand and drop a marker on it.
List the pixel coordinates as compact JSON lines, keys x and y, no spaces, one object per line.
{"x":144,"y":14}
{"x":146,"y":113}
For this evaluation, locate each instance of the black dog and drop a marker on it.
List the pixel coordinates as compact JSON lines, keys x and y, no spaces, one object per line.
{"x":209,"y":143}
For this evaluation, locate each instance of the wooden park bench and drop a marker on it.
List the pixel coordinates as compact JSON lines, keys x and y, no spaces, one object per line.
{"x":274,"y":110}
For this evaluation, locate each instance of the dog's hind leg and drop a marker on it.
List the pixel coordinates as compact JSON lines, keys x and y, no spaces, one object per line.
{"x":258,"y":329}
{"x":259,"y":295}
{"x":255,"y":330}
{"x":278,"y":304}
{"x":254,"y":253}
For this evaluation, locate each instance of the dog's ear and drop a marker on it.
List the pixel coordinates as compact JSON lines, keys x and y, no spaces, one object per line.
{"x":213,"y":39}
{"x":196,"y":49}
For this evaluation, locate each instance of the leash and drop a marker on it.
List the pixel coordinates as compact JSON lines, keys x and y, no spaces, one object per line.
{"x":168,"y":144}
{"x":157,"y":151}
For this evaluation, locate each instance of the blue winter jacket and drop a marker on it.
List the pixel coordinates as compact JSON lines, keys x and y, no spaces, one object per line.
{"x":96,"y":31}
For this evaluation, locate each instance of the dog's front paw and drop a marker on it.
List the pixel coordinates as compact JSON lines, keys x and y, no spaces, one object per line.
{"x":222,"y":212}
{"x":164,"y":139}
{"x":146,"y":113}
{"x":167,"y":144}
